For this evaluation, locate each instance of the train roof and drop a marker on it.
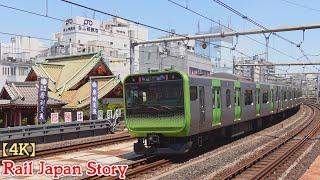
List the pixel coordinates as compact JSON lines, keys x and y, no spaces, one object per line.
{"x":232,"y":77}
{"x":220,"y":75}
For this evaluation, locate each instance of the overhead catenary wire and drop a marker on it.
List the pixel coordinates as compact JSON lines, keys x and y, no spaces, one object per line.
{"x":62,"y":20}
{"x":146,"y":25}
{"x":219,"y":23}
{"x":301,"y":5}
{"x":298,"y":45}
{"x":59,"y":19}
{"x":53,"y":40}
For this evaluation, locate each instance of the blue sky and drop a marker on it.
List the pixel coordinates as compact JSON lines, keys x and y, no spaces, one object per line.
{"x":165,"y":15}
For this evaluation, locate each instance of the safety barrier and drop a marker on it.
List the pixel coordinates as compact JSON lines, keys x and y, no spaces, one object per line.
{"x":55,"y":132}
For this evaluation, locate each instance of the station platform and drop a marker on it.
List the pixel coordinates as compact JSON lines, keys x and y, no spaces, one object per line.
{"x":313,"y":172}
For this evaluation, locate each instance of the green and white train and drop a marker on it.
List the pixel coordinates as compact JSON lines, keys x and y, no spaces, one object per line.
{"x":171,"y":112}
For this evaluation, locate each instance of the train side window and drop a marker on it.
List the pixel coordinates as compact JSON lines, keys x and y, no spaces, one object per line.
{"x":239,"y":100}
{"x":228,"y":98}
{"x":218,"y":98}
{"x":258,"y":96}
{"x":289,"y":95}
{"x":265,"y":97}
{"x":144,"y":97}
{"x":193,"y":93}
{"x":248,"y":97}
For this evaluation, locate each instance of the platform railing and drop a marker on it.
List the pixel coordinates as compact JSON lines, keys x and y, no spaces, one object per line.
{"x":34,"y":131}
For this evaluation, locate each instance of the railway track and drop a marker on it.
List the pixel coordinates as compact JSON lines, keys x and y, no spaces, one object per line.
{"x":138,"y":168}
{"x":69,"y":148}
{"x":275,"y":159}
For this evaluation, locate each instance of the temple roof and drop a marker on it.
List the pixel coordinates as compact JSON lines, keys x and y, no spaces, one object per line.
{"x":25,"y":93}
{"x":69,"y":78}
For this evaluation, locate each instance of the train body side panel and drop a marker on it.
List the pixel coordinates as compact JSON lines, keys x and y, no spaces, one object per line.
{"x":248,"y":111}
{"x":265,"y":106}
{"x":201,"y":123}
{"x":227,"y":114}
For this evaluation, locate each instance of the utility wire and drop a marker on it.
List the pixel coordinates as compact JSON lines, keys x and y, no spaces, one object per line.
{"x":252,"y":21}
{"x":54,"y":40}
{"x":263,"y":27}
{"x":145,"y":25}
{"x":58,"y":19}
{"x":216,"y":22}
{"x":62,"y":20}
{"x":301,"y":5}
{"x":47,"y":39}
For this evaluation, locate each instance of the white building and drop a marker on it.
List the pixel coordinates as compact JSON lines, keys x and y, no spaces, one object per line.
{"x":177,"y":55}
{"x":16,"y":58}
{"x":255,"y":73}
{"x":85,"y":35}
{"x":20,"y":49}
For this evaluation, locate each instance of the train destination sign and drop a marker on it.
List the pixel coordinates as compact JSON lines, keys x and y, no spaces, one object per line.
{"x":154,"y":77}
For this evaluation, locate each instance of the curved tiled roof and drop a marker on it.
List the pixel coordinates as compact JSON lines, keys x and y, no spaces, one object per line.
{"x":26,"y":93}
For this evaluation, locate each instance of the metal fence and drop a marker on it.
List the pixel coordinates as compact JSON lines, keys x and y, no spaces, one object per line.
{"x":57,"y":132}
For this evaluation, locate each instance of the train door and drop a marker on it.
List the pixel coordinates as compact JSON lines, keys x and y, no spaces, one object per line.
{"x":271,"y":100}
{"x":202,"y":104}
{"x":237,"y":108}
{"x":216,"y":106}
{"x":258,"y":101}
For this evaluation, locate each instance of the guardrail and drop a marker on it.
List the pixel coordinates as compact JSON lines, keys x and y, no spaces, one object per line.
{"x":55,"y":132}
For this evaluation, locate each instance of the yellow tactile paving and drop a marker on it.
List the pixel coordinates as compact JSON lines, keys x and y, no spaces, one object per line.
{"x":313,"y":173}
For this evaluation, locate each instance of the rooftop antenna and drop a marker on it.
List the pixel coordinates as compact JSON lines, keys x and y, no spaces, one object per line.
{"x":198,"y":26}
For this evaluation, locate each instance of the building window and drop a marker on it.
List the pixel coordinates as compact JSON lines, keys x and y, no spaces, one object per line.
{"x":248,"y":98}
{"x":125,"y":45}
{"x":228,"y":98}
{"x":111,"y":43}
{"x":149,"y":55}
{"x":193,"y":93}
{"x":265,"y":97}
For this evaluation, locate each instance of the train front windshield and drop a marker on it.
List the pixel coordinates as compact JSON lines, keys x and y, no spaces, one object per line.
{"x":157,"y":95}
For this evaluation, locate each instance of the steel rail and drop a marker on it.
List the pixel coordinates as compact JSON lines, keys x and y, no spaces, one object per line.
{"x":264,"y":172}
{"x":260,"y":157}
